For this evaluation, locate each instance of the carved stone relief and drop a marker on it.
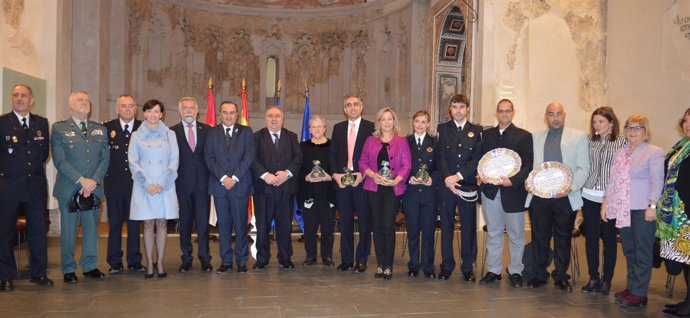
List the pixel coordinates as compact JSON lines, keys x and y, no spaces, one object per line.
{"x":587,"y":28}
{"x":13,"y":10}
{"x":176,"y":47}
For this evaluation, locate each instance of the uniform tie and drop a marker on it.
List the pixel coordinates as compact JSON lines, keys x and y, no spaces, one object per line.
{"x":84,"y":132}
{"x":126,"y":130}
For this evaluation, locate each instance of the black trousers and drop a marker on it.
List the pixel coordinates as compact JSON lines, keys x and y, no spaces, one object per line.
{"x":551,"y":217}
{"x":319,"y":215}
{"x":35,"y":212}
{"x":467,"y":212}
{"x":194,"y":207}
{"x":350,"y":200}
{"x":118,"y":213}
{"x":420,"y":216}
{"x":277,"y":206}
{"x":383,"y":206}
{"x":595,"y":230}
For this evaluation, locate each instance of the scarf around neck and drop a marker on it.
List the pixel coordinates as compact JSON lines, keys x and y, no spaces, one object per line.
{"x":671,"y":217}
{"x":618,"y":196}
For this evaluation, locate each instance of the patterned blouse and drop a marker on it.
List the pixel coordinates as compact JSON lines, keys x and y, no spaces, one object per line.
{"x":601,"y":153}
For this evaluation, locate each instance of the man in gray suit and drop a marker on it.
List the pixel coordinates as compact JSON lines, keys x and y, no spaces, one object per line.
{"x":556,"y":216}
{"x":81,"y":156}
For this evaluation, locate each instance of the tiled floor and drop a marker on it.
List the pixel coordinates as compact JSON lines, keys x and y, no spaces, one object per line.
{"x":315,"y":291}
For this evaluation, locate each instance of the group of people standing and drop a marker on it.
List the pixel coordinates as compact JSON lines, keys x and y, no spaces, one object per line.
{"x":150,"y":173}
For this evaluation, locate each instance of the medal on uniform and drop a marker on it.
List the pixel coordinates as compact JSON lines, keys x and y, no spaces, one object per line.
{"x":112,"y":134}
{"x":39,"y":133}
{"x":10,"y":150}
{"x":470,"y":134}
{"x":14,"y":139}
{"x":429,"y":149}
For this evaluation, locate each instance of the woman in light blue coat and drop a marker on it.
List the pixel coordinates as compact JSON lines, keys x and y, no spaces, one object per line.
{"x":153,"y":160}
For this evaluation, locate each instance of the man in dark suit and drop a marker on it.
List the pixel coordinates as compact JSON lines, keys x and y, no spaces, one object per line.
{"x":459,"y":151}
{"x":347,"y":143}
{"x":81,"y":155}
{"x":192,"y":185}
{"x":23,"y":186}
{"x":502,"y":200}
{"x":278,"y":160}
{"x":117,"y":185}
{"x":229,"y":153}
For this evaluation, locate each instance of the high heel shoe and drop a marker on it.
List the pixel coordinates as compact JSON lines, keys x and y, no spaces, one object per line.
{"x":147,"y":275}
{"x":160,"y":274}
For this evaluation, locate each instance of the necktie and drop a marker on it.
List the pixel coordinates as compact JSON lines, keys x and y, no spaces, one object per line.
{"x":419,"y":142}
{"x":228,"y":136}
{"x":459,"y":128}
{"x":25,"y":126}
{"x":83,"y":128}
{"x":277,"y":141}
{"x":126,"y":130}
{"x":190,"y":137}
{"x":351,"y":138}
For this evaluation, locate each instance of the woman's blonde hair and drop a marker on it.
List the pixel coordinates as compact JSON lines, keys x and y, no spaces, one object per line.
{"x":424,"y":113}
{"x":377,"y":125}
{"x":643,"y":121}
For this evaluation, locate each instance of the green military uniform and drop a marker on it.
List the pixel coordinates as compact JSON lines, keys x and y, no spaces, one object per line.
{"x":76,"y":155}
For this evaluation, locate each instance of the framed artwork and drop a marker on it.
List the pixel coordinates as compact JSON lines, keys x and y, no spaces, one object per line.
{"x":447,"y":88}
{"x":451,"y":52}
{"x":456,"y":26}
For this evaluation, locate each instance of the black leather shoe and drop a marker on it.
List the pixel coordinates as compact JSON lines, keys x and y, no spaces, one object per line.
{"x":259,"y":265}
{"x":564,"y":285}
{"x":42,"y":281}
{"x":6,"y":286}
{"x":593,"y":286}
{"x":359,"y":268}
{"x":70,"y":278}
{"x":287,"y":265}
{"x":344,"y":267}
{"x":535,"y":283}
{"x":413,"y":273}
{"x":516,"y":280}
{"x":206,"y":267}
{"x":137,"y":267}
{"x":444,"y":275}
{"x":185,"y":267}
{"x":115,"y":269}
{"x":95,"y":274}
{"x":604,"y":289}
{"x":672,"y":313}
{"x":469,"y":277}
{"x":309,"y":261}
{"x":328,"y":261}
{"x":490,"y":278}
{"x":224,"y":268}
{"x":429,"y":275}
{"x":379,"y":273}
{"x":673,"y":306}
{"x":242,"y":269}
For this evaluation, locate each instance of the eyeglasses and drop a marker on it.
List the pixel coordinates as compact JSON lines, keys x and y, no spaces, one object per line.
{"x":633,"y":128}
{"x":504,"y":111}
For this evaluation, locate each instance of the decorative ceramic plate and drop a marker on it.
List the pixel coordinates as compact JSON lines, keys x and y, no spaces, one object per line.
{"x":497,"y":163}
{"x":549,"y":178}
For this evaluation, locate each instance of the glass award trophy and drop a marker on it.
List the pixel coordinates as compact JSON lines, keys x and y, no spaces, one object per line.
{"x":317,"y":171}
{"x":348,"y":179}
{"x":385,"y":171}
{"x":422,"y":174}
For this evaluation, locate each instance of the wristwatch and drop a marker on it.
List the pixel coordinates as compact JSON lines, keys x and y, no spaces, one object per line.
{"x":653,"y":206}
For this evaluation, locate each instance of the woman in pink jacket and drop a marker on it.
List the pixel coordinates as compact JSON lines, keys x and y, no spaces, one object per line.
{"x":385,"y":161}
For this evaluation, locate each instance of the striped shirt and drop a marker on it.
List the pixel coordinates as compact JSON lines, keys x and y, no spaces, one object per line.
{"x":601,"y":155}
